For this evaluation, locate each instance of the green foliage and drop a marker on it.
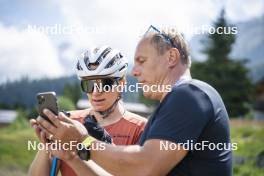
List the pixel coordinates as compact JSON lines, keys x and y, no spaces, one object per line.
{"x":21,"y":121}
{"x":22,"y":93}
{"x":250,"y":140}
{"x":229,"y":77}
{"x":32,"y":113}
{"x":4,"y":106}
{"x":15,"y":155}
{"x":218,"y":46}
{"x":72,"y":91}
{"x":65,"y":104}
{"x":13,"y":148}
{"x":13,"y":145}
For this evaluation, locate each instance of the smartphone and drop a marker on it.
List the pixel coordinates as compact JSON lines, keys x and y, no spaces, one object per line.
{"x":47,"y":100}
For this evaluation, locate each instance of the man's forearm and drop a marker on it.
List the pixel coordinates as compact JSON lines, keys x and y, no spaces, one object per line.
{"x":118,"y":160}
{"x":115,"y":160}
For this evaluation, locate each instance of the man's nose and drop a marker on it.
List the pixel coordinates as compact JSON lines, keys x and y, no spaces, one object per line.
{"x":135,"y":71}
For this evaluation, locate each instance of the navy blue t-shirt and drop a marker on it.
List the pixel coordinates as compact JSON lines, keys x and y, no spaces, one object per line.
{"x":194,"y":112}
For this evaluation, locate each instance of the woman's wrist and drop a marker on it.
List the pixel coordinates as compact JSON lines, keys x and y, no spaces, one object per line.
{"x":44,"y":153}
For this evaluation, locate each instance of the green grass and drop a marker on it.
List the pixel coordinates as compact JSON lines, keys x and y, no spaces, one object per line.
{"x":13,"y":146}
{"x":250,"y":141}
{"x":15,"y":158}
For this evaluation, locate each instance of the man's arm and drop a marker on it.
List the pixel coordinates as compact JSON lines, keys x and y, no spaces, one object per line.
{"x":131,"y":160}
{"x":149,"y":159}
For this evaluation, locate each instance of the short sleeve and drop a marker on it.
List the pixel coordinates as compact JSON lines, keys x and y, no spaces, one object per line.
{"x":139,"y":133}
{"x":182,"y":116}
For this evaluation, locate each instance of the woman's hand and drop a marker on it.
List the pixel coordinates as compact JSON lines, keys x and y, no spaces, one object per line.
{"x":42,"y":136}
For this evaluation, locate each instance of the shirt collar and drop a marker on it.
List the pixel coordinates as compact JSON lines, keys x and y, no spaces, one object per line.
{"x":182,"y":79}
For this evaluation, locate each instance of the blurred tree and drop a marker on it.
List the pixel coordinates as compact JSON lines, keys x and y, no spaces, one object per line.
{"x":19,"y":105}
{"x":65,"y":104}
{"x":21,"y":121}
{"x":229,"y":77}
{"x":259,"y":90}
{"x":259,"y":95}
{"x":4,"y":106}
{"x":72,"y":91}
{"x":32,"y":113}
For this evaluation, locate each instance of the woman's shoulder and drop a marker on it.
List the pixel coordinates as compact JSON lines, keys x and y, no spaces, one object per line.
{"x":135,"y":118}
{"x":79,"y":115}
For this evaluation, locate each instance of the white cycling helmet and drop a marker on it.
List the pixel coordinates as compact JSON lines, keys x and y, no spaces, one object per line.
{"x":101,"y":62}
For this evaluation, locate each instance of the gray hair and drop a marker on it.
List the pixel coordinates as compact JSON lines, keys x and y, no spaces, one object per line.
{"x":162,"y":45}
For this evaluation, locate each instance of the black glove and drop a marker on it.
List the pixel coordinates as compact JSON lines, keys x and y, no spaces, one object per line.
{"x":95,"y":130}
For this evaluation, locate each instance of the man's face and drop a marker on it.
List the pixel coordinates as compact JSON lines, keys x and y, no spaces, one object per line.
{"x":149,"y":67}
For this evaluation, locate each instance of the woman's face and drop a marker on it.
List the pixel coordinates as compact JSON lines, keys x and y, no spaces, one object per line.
{"x":101,"y":101}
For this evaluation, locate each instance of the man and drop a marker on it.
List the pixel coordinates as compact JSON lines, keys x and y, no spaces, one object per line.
{"x":193,"y":112}
{"x":105,"y":67}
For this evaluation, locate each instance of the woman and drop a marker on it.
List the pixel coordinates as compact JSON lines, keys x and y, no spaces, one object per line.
{"x":104,"y":68}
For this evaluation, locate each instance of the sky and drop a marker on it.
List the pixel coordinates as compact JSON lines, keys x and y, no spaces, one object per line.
{"x":44,"y":38}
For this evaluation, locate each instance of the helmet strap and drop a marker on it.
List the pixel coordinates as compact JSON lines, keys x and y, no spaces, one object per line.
{"x":108,"y":111}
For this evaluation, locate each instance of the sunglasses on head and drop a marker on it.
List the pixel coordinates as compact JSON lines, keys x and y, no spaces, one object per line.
{"x":105,"y":84}
{"x":166,"y":37}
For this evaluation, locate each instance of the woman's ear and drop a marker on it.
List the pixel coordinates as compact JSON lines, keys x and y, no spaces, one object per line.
{"x":174,"y":57}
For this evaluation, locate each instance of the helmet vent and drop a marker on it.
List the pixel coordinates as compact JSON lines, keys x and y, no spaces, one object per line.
{"x":114,"y":60}
{"x":93,"y":66}
{"x":123,"y":67}
{"x":78,"y":66}
{"x":106,"y":51}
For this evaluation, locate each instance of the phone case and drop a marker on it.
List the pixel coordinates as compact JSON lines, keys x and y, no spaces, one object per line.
{"x":47,"y":100}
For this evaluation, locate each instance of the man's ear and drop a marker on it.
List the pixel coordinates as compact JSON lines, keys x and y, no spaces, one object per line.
{"x":174,"y":57}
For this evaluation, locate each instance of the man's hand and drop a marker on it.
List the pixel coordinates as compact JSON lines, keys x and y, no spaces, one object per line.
{"x":63,"y":154}
{"x":64,"y":128}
